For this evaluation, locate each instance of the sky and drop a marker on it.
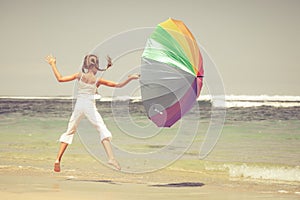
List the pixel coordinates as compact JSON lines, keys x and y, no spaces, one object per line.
{"x":254,"y":43}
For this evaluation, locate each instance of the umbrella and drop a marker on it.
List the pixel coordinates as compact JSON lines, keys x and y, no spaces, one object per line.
{"x":171,"y":73}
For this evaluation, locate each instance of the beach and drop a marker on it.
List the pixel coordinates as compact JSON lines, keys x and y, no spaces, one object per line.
{"x":33,"y":184}
{"x":30,"y":184}
{"x":256,"y":156}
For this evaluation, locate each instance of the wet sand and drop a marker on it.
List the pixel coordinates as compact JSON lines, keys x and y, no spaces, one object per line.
{"x":31,"y":183}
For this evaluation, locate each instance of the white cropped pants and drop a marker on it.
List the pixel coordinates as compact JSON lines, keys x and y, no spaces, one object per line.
{"x":85,"y":107}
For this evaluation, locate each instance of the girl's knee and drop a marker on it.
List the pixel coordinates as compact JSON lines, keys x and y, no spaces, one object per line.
{"x":107,"y":139}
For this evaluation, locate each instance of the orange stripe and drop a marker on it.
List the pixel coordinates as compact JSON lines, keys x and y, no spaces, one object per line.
{"x":185,"y":38}
{"x":194,"y":49}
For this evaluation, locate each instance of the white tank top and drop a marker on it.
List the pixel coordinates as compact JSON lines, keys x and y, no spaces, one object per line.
{"x":86,"y":88}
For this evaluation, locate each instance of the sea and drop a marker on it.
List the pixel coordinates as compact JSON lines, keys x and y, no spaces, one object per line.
{"x":259,"y":137}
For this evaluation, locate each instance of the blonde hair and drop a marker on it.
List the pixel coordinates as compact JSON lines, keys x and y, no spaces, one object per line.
{"x":89,"y":62}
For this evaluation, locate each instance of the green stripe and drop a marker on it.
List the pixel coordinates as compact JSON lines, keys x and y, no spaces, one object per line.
{"x":170,"y":52}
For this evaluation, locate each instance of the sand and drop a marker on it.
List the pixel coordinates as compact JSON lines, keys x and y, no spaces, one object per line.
{"x":32,"y":183}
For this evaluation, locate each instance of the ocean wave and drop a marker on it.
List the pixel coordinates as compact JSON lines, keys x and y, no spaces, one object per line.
{"x":246,"y":171}
{"x":259,"y":172}
{"x":265,"y":172}
{"x":262,"y":100}
{"x":245,"y":104}
{"x":244,"y":101}
{"x":37,"y":97}
{"x":269,"y":98}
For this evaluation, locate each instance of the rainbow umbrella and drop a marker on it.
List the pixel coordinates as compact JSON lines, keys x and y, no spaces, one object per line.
{"x":171,"y":73}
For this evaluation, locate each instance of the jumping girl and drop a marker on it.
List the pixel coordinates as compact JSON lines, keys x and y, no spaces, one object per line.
{"x":85,"y":104}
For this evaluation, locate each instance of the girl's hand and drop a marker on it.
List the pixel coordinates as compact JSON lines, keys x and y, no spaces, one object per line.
{"x":109,"y":62}
{"x":134,"y":76}
{"x":51,"y":60}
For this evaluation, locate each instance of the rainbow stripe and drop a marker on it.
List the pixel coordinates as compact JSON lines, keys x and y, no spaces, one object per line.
{"x":178,"y":44}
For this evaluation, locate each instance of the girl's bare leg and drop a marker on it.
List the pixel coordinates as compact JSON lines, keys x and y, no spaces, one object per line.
{"x":111,"y":159}
{"x":62,"y":148}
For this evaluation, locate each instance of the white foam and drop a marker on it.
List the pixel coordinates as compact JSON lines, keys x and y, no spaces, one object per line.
{"x":245,"y":104}
{"x":261,"y":98}
{"x":34,"y":97}
{"x":230,"y":101}
{"x":283,"y":191}
{"x":276,"y":173}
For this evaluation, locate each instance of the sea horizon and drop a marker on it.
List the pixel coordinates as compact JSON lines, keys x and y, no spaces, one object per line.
{"x":230,"y":100}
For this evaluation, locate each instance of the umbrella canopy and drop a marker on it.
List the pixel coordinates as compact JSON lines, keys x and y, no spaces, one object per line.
{"x":171,"y":73}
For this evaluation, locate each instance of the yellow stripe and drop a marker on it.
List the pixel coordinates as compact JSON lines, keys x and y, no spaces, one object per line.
{"x":193,"y":46}
{"x":185,"y":38}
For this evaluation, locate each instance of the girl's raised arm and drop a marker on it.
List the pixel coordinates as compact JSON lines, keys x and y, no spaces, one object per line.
{"x":52,"y":62}
{"x":118,"y":85}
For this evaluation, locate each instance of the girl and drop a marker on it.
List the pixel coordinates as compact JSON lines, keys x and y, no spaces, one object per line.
{"x":85,"y":104}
